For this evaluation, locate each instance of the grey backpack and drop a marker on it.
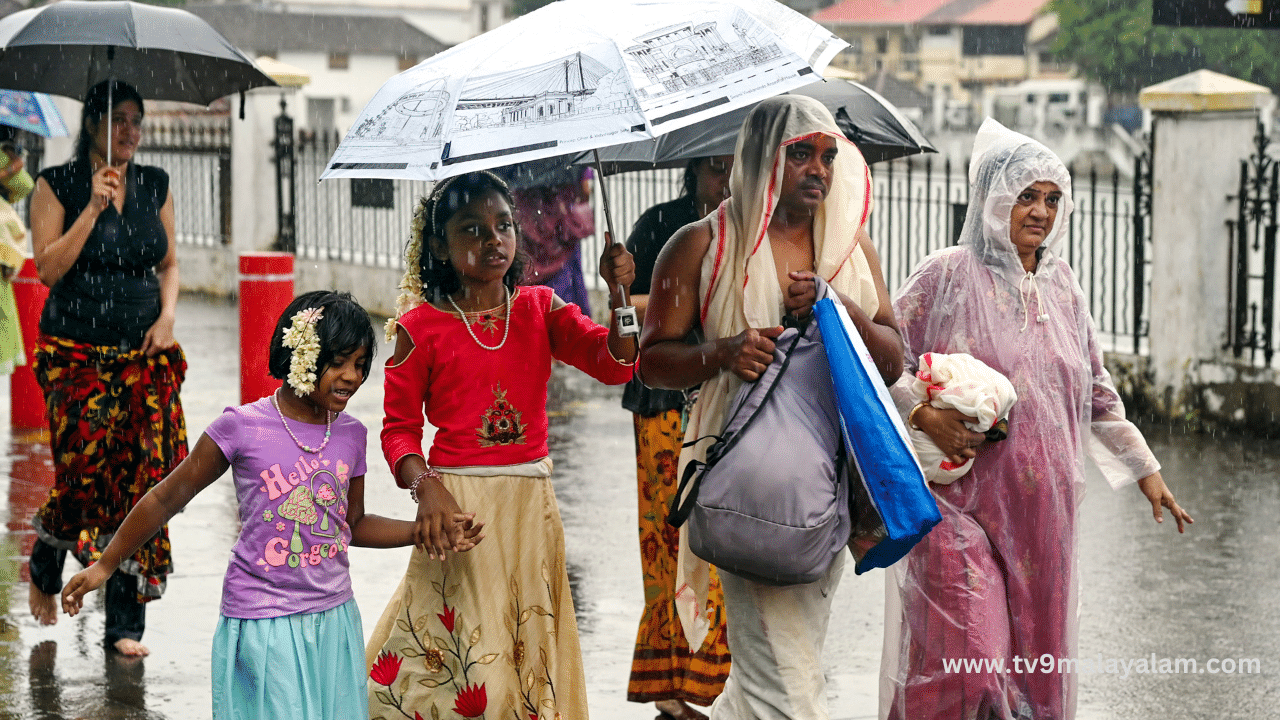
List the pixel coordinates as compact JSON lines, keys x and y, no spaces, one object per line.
{"x":771,"y":501}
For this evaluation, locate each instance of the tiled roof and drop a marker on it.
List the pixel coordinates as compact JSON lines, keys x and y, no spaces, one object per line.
{"x":879,"y":12}
{"x":931,"y":12}
{"x":267,"y":30}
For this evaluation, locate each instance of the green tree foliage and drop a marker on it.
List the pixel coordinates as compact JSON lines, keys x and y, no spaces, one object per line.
{"x":1114,"y":43}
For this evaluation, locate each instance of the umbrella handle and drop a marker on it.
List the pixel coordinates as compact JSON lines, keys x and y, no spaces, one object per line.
{"x":628,"y":324}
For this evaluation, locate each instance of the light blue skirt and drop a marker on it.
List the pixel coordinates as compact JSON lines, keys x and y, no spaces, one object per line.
{"x":309,"y":665}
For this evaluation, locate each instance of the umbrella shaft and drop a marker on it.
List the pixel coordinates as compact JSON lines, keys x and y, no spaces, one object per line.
{"x":608,"y":220}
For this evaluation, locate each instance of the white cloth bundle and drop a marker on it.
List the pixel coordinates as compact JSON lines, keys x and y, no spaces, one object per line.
{"x":962,"y":382}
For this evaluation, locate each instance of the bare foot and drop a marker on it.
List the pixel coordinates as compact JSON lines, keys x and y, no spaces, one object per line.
{"x":44,"y":607}
{"x":678,"y":710}
{"x":131,"y":648}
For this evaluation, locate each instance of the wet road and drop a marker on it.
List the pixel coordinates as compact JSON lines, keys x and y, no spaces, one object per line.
{"x":1208,"y":595}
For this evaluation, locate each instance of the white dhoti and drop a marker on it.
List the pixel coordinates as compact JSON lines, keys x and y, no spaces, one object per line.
{"x":775,"y":639}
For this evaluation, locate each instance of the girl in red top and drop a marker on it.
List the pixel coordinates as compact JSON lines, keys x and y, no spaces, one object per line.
{"x":493,"y":627}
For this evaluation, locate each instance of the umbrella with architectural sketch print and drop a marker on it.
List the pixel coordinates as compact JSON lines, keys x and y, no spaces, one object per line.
{"x":577,"y":75}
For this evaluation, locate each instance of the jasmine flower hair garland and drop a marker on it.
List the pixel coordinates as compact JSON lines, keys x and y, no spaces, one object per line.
{"x":305,"y":342}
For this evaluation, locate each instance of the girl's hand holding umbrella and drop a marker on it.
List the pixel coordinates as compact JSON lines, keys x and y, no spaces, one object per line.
{"x":618,"y":270}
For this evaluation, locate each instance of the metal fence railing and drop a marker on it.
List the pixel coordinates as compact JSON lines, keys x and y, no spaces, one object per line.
{"x":197,"y":158}
{"x":365,"y":222}
{"x":1253,"y":328}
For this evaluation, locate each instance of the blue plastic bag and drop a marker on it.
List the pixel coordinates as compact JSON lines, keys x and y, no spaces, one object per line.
{"x":892,"y":506}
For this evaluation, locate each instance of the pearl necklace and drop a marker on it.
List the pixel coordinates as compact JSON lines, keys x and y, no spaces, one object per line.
{"x":506,"y":323}
{"x":328,"y":428}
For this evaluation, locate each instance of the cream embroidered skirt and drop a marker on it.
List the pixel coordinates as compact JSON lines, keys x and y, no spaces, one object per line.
{"x":490,"y":631}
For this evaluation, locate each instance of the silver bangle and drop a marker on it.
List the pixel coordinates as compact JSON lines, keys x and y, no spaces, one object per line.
{"x":417,"y":480}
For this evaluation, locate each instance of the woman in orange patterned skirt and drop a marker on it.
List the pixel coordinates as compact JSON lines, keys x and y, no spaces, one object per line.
{"x":663,"y":670}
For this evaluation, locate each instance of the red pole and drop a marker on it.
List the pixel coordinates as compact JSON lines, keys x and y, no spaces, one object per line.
{"x":266,"y":289}
{"x":26,"y":399}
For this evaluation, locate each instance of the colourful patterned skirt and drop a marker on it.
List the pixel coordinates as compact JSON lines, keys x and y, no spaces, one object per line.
{"x":116,"y":429}
{"x":662,"y":667}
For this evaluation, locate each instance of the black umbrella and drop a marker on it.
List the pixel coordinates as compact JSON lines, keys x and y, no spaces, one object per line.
{"x":167,"y":54}
{"x":872,"y":123}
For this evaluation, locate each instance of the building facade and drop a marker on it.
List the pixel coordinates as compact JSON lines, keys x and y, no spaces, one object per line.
{"x":348,"y":56}
{"x":954,"y":51}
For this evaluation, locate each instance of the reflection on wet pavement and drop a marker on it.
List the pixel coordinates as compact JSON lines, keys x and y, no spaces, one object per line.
{"x":1145,"y":590}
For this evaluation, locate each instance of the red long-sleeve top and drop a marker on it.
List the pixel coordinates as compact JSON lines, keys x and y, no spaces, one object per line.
{"x":489,"y":407}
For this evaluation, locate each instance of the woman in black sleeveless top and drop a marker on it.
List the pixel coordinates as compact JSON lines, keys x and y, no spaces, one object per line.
{"x":106,"y":359}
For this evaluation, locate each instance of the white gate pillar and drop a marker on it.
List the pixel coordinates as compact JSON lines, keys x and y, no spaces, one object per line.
{"x":1203,"y":126}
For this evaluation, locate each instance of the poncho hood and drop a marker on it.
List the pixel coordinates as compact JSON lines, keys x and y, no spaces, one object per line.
{"x":1004,"y":163}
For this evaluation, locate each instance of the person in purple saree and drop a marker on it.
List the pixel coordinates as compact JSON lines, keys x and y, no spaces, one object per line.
{"x":553,"y":205}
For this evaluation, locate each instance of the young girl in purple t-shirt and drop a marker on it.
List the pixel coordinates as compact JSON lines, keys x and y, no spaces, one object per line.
{"x":289,"y":642}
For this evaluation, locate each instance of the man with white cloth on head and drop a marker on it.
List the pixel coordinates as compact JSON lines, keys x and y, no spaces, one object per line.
{"x":799,"y":198}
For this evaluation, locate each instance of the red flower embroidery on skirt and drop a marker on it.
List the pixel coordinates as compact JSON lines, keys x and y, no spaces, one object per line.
{"x":386,"y":668}
{"x":447,"y":618}
{"x":471,"y":701}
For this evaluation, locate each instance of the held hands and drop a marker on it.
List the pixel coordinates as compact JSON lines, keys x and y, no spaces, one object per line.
{"x":751,"y":351}
{"x":947,"y":429}
{"x":441,"y":524}
{"x":106,"y":186}
{"x":1158,"y":494}
{"x":84,"y":582}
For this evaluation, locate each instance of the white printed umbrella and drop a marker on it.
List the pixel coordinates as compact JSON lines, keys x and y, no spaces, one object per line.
{"x":577,"y":75}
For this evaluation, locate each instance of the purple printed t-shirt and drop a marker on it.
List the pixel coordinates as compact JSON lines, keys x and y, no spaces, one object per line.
{"x":292,"y":553}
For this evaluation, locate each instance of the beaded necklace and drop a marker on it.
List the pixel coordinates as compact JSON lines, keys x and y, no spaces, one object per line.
{"x":328,"y":428}
{"x":506,"y":323}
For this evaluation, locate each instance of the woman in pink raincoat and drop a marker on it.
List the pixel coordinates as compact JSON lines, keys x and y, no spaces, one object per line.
{"x":997,"y":578}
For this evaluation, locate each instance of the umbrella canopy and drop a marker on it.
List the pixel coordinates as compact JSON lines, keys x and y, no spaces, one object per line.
{"x":872,"y":123}
{"x":167,"y":54}
{"x":580,"y":74}
{"x":33,"y":112}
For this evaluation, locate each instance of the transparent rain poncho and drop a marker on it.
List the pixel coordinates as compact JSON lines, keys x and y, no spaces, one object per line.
{"x":997,"y":578}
